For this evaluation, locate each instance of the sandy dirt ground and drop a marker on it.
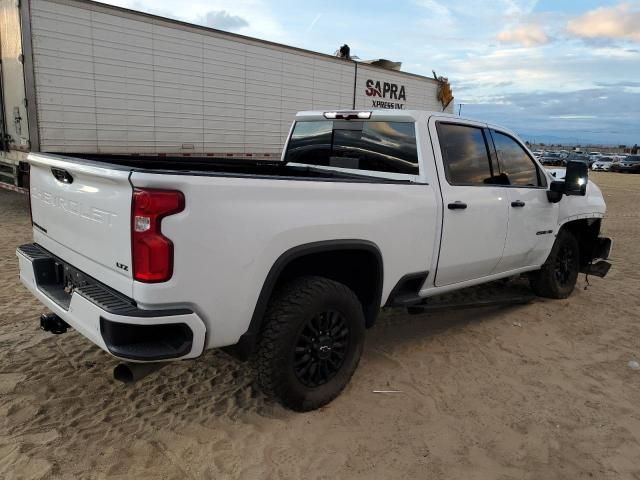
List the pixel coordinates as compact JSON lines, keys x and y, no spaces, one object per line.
{"x":539,"y":391}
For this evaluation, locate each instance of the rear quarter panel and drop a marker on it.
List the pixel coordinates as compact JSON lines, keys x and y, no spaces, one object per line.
{"x":233,"y":230}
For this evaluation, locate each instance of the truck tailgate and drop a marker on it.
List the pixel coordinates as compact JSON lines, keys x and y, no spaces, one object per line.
{"x":81,"y":213}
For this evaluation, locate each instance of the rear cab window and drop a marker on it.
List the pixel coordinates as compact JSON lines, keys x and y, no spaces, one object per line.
{"x":374,"y":146}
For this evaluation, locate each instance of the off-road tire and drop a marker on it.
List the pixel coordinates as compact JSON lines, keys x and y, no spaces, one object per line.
{"x":557,"y":277}
{"x":287,"y":317}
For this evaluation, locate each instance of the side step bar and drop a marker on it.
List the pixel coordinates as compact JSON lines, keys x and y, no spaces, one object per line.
{"x":496,"y":302}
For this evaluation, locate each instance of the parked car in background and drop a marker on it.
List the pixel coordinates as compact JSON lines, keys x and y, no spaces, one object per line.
{"x":580,"y":157}
{"x":602,"y":164}
{"x":552,"y":158}
{"x":631,"y":164}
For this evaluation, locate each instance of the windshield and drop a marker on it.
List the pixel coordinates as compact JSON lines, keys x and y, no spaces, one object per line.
{"x":374,"y":146}
{"x":632,"y":158}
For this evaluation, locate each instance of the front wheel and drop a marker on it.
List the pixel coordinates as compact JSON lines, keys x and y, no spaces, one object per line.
{"x":311,"y":342}
{"x":557,"y":277}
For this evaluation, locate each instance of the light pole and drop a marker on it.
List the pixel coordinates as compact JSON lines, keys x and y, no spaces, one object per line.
{"x":460,"y":108}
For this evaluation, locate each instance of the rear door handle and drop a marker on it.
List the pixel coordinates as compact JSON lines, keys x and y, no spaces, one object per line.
{"x":517,"y":203}
{"x":457,"y":206}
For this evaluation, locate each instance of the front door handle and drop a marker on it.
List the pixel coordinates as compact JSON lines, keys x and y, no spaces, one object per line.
{"x":457,"y":206}
{"x":517,"y":204}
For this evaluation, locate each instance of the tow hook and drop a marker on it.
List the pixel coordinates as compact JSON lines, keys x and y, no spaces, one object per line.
{"x":50,"y":322}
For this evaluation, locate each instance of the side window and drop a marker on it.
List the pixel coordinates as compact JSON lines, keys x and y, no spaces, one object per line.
{"x":465,"y":154}
{"x":516,"y":164}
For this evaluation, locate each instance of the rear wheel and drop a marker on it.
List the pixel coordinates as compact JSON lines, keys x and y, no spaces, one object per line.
{"x":311,"y":342}
{"x":557,"y":277}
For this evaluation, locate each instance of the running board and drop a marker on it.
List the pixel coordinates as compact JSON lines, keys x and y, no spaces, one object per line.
{"x":498,"y":302}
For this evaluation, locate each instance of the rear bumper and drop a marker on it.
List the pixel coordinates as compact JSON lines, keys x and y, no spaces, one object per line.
{"x":110,"y":320}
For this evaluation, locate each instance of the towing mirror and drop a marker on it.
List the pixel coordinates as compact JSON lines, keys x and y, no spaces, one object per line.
{"x":574,"y":183}
{"x":576,"y":178}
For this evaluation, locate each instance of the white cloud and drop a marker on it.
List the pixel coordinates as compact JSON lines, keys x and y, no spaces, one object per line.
{"x":609,"y":52}
{"x":526,"y":35}
{"x":435,"y":7}
{"x":252,"y":17}
{"x":619,"y":22}
{"x":223,"y":20}
{"x":574,"y":117}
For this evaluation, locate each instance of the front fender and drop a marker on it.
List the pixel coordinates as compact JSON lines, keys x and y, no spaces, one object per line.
{"x":591,"y":205}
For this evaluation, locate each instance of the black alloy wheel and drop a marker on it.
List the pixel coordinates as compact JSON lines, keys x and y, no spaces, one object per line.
{"x":310,"y":343}
{"x":557,"y":277}
{"x":564,"y":265}
{"x":321,"y":348}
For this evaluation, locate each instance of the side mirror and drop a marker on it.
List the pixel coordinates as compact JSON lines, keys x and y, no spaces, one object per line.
{"x":556,"y":190}
{"x":576,"y":178}
{"x":574,"y":183}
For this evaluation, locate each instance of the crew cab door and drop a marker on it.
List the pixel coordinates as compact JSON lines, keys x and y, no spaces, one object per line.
{"x":532,"y":217}
{"x":475,"y":206}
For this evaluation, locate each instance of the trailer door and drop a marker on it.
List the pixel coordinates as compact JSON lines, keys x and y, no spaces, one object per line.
{"x":14,"y":124}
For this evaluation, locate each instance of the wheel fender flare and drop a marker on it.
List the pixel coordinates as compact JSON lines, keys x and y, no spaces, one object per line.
{"x":247,"y":342}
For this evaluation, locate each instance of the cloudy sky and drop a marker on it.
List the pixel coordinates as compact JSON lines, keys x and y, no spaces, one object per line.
{"x":554,"y":71}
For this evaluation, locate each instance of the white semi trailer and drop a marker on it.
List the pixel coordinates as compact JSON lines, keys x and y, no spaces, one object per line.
{"x":80,"y":77}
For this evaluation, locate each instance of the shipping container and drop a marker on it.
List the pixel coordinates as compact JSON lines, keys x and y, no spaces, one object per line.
{"x":82,"y":77}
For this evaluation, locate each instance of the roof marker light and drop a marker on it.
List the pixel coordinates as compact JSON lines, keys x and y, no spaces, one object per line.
{"x":350,"y":115}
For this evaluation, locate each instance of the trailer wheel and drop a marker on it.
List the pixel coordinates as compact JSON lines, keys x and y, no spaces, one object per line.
{"x":557,"y":277}
{"x":311,"y":342}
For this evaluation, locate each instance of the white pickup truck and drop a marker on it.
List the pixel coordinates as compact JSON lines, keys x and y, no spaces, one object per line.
{"x":289,"y":262}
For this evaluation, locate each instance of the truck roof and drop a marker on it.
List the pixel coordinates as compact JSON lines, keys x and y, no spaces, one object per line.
{"x":380,"y":114}
{"x":401,"y":116}
{"x":391,"y":115}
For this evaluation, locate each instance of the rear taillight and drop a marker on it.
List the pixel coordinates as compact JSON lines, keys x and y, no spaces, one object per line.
{"x":152,"y":252}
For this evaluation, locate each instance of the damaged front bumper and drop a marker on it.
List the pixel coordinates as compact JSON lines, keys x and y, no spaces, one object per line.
{"x":597,"y":265}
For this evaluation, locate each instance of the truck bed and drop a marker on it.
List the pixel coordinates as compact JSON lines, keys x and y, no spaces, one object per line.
{"x":224,"y":167}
